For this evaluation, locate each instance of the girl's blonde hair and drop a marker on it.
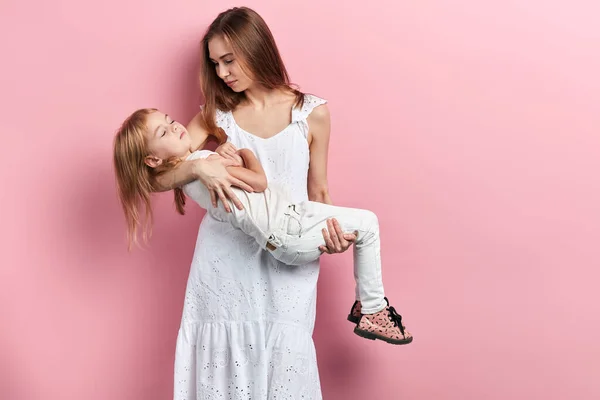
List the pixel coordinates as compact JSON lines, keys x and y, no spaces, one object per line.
{"x":253,"y":42}
{"x":136,"y":180}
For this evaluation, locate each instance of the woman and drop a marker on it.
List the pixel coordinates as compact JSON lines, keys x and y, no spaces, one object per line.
{"x":247,"y":324}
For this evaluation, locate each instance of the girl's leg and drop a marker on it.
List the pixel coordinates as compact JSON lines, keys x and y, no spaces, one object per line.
{"x":312,"y":218}
{"x":378,"y":320}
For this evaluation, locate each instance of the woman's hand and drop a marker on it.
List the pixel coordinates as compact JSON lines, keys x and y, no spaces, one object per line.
{"x":228,"y":151}
{"x":336,"y":241}
{"x":213,"y":174}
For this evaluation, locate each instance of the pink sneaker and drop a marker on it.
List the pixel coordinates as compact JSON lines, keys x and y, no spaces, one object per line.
{"x":355,"y":311}
{"x":385,"y":325}
{"x":355,"y":314}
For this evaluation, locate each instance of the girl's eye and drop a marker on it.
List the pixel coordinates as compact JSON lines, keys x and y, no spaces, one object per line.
{"x":228,"y":62}
{"x":172,"y":121}
{"x":163,"y":134}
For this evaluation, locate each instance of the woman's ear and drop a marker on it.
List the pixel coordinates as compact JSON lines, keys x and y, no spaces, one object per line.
{"x":153,"y":161}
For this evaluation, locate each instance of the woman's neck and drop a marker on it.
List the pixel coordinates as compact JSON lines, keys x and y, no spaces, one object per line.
{"x":260,"y":97}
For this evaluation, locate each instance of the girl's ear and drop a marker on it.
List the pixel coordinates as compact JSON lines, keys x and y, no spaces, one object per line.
{"x":153,"y":161}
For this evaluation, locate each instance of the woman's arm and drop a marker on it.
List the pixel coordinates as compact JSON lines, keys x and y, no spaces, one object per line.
{"x":319,"y":123}
{"x":318,"y":139}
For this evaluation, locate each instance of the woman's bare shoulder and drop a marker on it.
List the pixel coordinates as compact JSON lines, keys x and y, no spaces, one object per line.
{"x":197,"y":131}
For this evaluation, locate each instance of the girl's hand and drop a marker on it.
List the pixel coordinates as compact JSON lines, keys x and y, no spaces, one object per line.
{"x":229,"y":151}
{"x":213,"y":174}
{"x":336,"y":241}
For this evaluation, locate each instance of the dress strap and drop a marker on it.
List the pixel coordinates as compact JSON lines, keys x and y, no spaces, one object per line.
{"x":299,"y":115}
{"x":223,"y":120}
{"x":310,"y":103}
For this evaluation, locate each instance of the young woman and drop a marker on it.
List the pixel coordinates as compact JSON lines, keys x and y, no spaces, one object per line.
{"x":248,"y":319}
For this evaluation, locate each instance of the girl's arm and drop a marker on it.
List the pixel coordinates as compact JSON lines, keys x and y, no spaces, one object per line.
{"x":251,"y":173}
{"x":318,"y":138}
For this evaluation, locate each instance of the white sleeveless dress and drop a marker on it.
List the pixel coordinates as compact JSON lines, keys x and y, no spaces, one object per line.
{"x":247,"y":324}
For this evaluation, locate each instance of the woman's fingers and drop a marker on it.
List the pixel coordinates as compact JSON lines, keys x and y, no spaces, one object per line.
{"x":213,"y":197}
{"x":333,"y":234}
{"x":336,"y":241}
{"x":345,"y":238}
{"x":219,"y":183}
{"x":236,"y":202}
{"x":328,"y":242}
{"x":324,"y":249}
{"x":351,"y":237}
{"x":227,"y":162}
{"x":222,"y":198}
{"x":240,"y":184}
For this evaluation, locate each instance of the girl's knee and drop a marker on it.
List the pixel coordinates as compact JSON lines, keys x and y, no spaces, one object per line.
{"x":369,"y":219}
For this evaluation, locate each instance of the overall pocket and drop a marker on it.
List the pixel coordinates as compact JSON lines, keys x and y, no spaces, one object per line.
{"x":293,"y":225}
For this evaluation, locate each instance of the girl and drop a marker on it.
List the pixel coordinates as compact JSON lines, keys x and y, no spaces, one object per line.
{"x":291,"y":231}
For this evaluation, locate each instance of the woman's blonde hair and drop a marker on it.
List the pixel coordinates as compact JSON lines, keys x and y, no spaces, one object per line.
{"x":135,"y":179}
{"x":253,"y":42}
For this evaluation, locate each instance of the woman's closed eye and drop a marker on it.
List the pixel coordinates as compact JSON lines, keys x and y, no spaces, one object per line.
{"x":226,"y":62}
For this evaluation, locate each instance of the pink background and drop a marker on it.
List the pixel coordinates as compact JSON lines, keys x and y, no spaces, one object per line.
{"x":469,"y":127}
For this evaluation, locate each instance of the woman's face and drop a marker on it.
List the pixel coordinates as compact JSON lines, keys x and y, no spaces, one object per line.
{"x":227,"y":65}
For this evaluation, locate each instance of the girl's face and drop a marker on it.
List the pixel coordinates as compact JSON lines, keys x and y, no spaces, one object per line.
{"x":227,"y":65}
{"x":165,"y":139}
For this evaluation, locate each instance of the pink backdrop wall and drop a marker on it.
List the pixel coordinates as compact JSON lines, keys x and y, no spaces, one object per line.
{"x":470,"y":127}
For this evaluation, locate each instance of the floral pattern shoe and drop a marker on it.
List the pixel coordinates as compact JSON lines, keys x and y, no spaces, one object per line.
{"x":385,"y":325}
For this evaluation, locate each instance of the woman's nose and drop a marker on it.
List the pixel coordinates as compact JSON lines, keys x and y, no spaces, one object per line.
{"x":223,"y":72}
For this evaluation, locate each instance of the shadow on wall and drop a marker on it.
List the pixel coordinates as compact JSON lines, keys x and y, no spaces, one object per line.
{"x":340,"y":358}
{"x":141,"y":292}
{"x":15,"y":378}
{"x":100,"y":223}
{"x":101,"y":230}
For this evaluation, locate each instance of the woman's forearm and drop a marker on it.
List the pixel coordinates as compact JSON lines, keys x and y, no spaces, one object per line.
{"x":182,"y":174}
{"x":319,"y":196}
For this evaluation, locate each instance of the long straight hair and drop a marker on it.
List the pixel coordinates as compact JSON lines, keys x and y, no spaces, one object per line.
{"x":135,"y":179}
{"x":252,"y":43}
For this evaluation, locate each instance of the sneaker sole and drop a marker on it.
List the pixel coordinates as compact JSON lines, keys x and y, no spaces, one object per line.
{"x":353,"y":319}
{"x":373,"y":336}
